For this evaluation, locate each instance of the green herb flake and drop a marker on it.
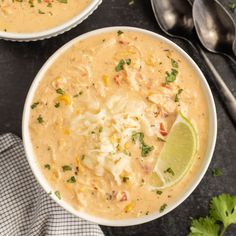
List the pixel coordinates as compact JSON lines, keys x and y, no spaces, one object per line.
{"x":40,"y":119}
{"x":41,"y":12}
{"x":158,"y":192}
{"x":66,"y":168}
{"x":58,"y":195}
{"x":62,"y":1}
{"x":137,"y":136}
{"x":47,"y":166}
{"x":119,"y":32}
{"x":216,"y":172}
{"x":31,"y":3}
{"x":60,"y":91}
{"x":100,"y":129}
{"x":34,"y":105}
{"x":57,"y":105}
{"x":71,"y":180}
{"x":177,"y":96}
{"x":125,"y":179}
{"x":174,"y":63}
{"x":170,"y":171}
{"x":171,"y":76}
{"x":163,"y":207}
{"x":120,"y":65}
{"x":161,"y":139}
{"x":145,"y":149}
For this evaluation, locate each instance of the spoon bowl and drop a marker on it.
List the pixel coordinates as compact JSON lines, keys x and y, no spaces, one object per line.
{"x":215,"y":27}
{"x":176,"y":19}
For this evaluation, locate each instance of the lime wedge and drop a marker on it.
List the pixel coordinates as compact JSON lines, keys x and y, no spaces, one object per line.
{"x":177,"y":154}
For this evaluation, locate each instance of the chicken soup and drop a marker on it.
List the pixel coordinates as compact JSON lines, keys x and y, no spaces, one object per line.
{"x":23,"y":16}
{"x":119,"y":119}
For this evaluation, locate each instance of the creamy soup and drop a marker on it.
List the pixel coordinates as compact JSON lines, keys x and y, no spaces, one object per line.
{"x":90,"y":105}
{"x":27,"y":16}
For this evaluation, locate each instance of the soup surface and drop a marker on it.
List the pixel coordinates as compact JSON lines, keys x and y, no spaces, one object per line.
{"x":88,"y":110}
{"x":23,"y":16}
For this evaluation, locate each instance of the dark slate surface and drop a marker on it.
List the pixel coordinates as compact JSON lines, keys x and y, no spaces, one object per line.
{"x":19,"y":63}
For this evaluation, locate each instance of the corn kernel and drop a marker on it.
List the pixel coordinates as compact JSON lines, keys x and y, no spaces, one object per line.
{"x":129,"y":207}
{"x":81,"y":168}
{"x":65,"y":98}
{"x":106,"y":80}
{"x":66,"y":132}
{"x":150,"y":61}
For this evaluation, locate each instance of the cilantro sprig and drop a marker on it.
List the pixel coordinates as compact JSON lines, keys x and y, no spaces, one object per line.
{"x":222,"y":215}
{"x":145,"y":149}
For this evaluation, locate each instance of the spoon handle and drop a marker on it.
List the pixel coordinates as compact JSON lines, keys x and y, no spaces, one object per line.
{"x":227,"y":97}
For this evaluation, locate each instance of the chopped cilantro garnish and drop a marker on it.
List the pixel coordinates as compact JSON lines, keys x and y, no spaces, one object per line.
{"x":177,"y":96}
{"x":40,"y":119}
{"x":158,"y":192}
{"x":161,"y":139}
{"x":125,"y":179}
{"x":171,"y":76}
{"x":216,"y":172}
{"x":66,"y":168}
{"x":41,"y":12}
{"x":34,"y":105}
{"x":62,"y":1}
{"x":163,"y":207}
{"x":71,"y":180}
{"x":137,"y":136}
{"x":60,"y":91}
{"x":47,"y":166}
{"x":145,"y":149}
{"x":174,"y":63}
{"x":119,"y":32}
{"x":122,"y":62}
{"x":57,"y":193}
{"x":57,"y":104}
{"x":170,"y":171}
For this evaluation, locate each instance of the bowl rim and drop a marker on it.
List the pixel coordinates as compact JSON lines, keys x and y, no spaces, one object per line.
{"x":211,"y":134}
{"x":54,"y":31}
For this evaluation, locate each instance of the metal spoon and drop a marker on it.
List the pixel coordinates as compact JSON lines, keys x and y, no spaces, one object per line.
{"x":175,"y":19}
{"x":215,"y":27}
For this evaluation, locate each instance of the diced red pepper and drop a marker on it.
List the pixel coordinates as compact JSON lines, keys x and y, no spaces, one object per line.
{"x":116,"y":79}
{"x":163,"y":130}
{"x":123,"y":197}
{"x":166,"y":86}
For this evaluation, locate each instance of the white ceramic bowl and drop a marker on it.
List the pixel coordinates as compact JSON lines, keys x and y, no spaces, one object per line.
{"x":60,"y":29}
{"x":188,"y":190}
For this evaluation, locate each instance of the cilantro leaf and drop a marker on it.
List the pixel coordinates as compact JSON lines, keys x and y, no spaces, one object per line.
{"x":204,"y":227}
{"x":145,"y":149}
{"x":223,"y":208}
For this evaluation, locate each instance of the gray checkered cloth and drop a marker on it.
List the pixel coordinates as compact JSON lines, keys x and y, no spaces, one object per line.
{"x":25,"y":208}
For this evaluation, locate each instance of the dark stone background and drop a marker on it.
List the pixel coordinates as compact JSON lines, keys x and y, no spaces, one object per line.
{"x":19,"y":63}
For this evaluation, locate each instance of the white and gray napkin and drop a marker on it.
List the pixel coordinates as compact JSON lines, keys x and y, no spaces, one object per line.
{"x":25,"y":208}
